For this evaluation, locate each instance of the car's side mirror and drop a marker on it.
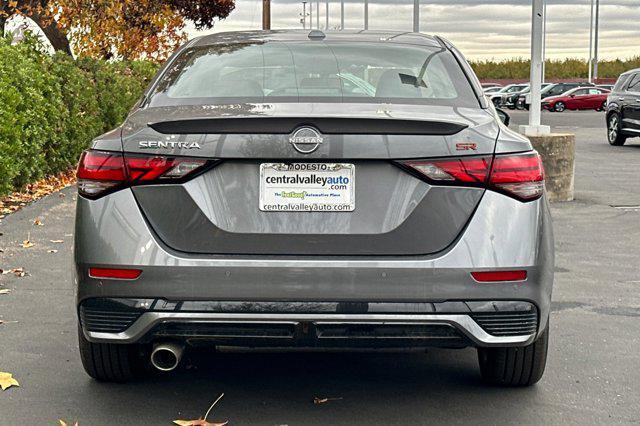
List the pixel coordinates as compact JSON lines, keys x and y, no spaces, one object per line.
{"x":504,"y":117}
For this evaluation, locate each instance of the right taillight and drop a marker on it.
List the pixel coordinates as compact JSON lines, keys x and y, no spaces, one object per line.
{"x":519,"y":176}
{"x":101,"y":172}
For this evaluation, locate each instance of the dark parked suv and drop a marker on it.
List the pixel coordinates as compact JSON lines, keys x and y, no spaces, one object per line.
{"x":623,"y":108}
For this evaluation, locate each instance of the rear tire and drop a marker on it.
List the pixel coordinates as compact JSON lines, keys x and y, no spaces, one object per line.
{"x":514,"y":366}
{"x":109,"y":362}
{"x":614,"y":135}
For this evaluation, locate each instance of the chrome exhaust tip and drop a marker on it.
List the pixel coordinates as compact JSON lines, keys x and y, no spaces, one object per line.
{"x":166,"y":356}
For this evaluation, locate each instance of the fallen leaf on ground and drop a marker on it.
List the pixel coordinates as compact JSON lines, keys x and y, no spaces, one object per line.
{"x":53,"y":251}
{"x":319,"y":401}
{"x":27,"y":244}
{"x":202,"y":421}
{"x":63,"y":423}
{"x":18,"y":272}
{"x":199,"y":422}
{"x":38,"y":222}
{"x":56,"y":241}
{"x":5,"y":291}
{"x":7,"y":380}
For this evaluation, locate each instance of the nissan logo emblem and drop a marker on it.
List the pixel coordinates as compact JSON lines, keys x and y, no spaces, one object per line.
{"x":305,"y":140}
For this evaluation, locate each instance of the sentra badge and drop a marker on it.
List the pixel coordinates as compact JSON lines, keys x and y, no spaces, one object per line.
{"x":168,"y":144}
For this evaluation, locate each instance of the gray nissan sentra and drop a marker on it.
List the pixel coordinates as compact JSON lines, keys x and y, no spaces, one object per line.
{"x":300,"y":189}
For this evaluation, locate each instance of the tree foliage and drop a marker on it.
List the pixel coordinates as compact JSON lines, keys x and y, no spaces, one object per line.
{"x":123,"y":29}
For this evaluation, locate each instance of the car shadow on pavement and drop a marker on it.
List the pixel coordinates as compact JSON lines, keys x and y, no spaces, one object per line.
{"x":280,"y":388}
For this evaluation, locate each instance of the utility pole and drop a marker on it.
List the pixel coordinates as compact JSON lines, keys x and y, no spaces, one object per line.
{"x":544,"y":42}
{"x":595,"y":42}
{"x":342,"y":14}
{"x":311,"y":15}
{"x":366,"y":14}
{"x":318,"y":14}
{"x":266,"y":14}
{"x":416,"y":16}
{"x":535,"y":128}
{"x":326,"y":15}
{"x":591,"y":43}
{"x":304,"y":15}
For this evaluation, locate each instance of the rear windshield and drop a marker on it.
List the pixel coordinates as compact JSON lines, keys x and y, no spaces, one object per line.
{"x":314,"y":72}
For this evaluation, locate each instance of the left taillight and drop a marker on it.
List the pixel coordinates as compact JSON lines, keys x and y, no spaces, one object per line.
{"x":101,"y":172}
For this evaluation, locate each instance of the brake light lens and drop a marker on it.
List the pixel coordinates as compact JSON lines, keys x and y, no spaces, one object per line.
{"x":100,"y":172}
{"x":520,"y":176}
{"x":499,"y":276}
{"x":473,"y":170}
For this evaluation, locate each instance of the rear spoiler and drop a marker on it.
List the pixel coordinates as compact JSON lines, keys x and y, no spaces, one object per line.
{"x":326,"y":125}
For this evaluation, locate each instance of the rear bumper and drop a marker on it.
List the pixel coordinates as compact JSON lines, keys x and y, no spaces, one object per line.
{"x":457,"y":324}
{"x":503,"y":234}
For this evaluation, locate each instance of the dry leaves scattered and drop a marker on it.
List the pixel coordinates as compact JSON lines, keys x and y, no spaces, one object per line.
{"x":4,"y":291}
{"x":27,"y":244}
{"x":52,"y":251}
{"x":35,"y":191}
{"x":38,"y":222}
{"x":7,"y":380}
{"x":63,"y":423}
{"x":202,"y":421}
{"x":56,"y":241}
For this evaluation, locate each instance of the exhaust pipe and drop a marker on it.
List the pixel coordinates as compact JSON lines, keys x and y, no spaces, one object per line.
{"x":166,"y":356}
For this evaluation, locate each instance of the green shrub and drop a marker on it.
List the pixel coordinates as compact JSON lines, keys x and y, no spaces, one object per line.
{"x":80,"y":118}
{"x":118,"y":85}
{"x":52,"y":106}
{"x":29,"y":99}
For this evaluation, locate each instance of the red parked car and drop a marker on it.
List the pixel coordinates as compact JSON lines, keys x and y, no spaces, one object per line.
{"x":578,"y":98}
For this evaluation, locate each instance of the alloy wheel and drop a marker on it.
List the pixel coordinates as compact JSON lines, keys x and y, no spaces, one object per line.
{"x":613,"y":128}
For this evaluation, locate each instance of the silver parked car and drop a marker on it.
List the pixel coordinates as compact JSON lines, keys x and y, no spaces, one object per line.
{"x":296,"y":189}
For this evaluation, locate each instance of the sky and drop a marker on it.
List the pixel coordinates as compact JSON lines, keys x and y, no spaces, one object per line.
{"x":489,"y":29}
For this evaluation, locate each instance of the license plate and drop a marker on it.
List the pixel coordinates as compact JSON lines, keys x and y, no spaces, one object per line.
{"x":307,"y":187}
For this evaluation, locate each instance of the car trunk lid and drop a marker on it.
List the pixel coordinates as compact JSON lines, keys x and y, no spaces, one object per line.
{"x":394,"y":212}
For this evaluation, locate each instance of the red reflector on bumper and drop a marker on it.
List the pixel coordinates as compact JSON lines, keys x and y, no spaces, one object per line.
{"x":496,"y":276}
{"x":122,"y":274}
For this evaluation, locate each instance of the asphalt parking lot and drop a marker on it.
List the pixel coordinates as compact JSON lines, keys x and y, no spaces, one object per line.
{"x":592,"y":377}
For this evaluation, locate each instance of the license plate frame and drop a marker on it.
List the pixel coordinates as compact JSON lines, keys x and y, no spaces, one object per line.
{"x":307,"y":187}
